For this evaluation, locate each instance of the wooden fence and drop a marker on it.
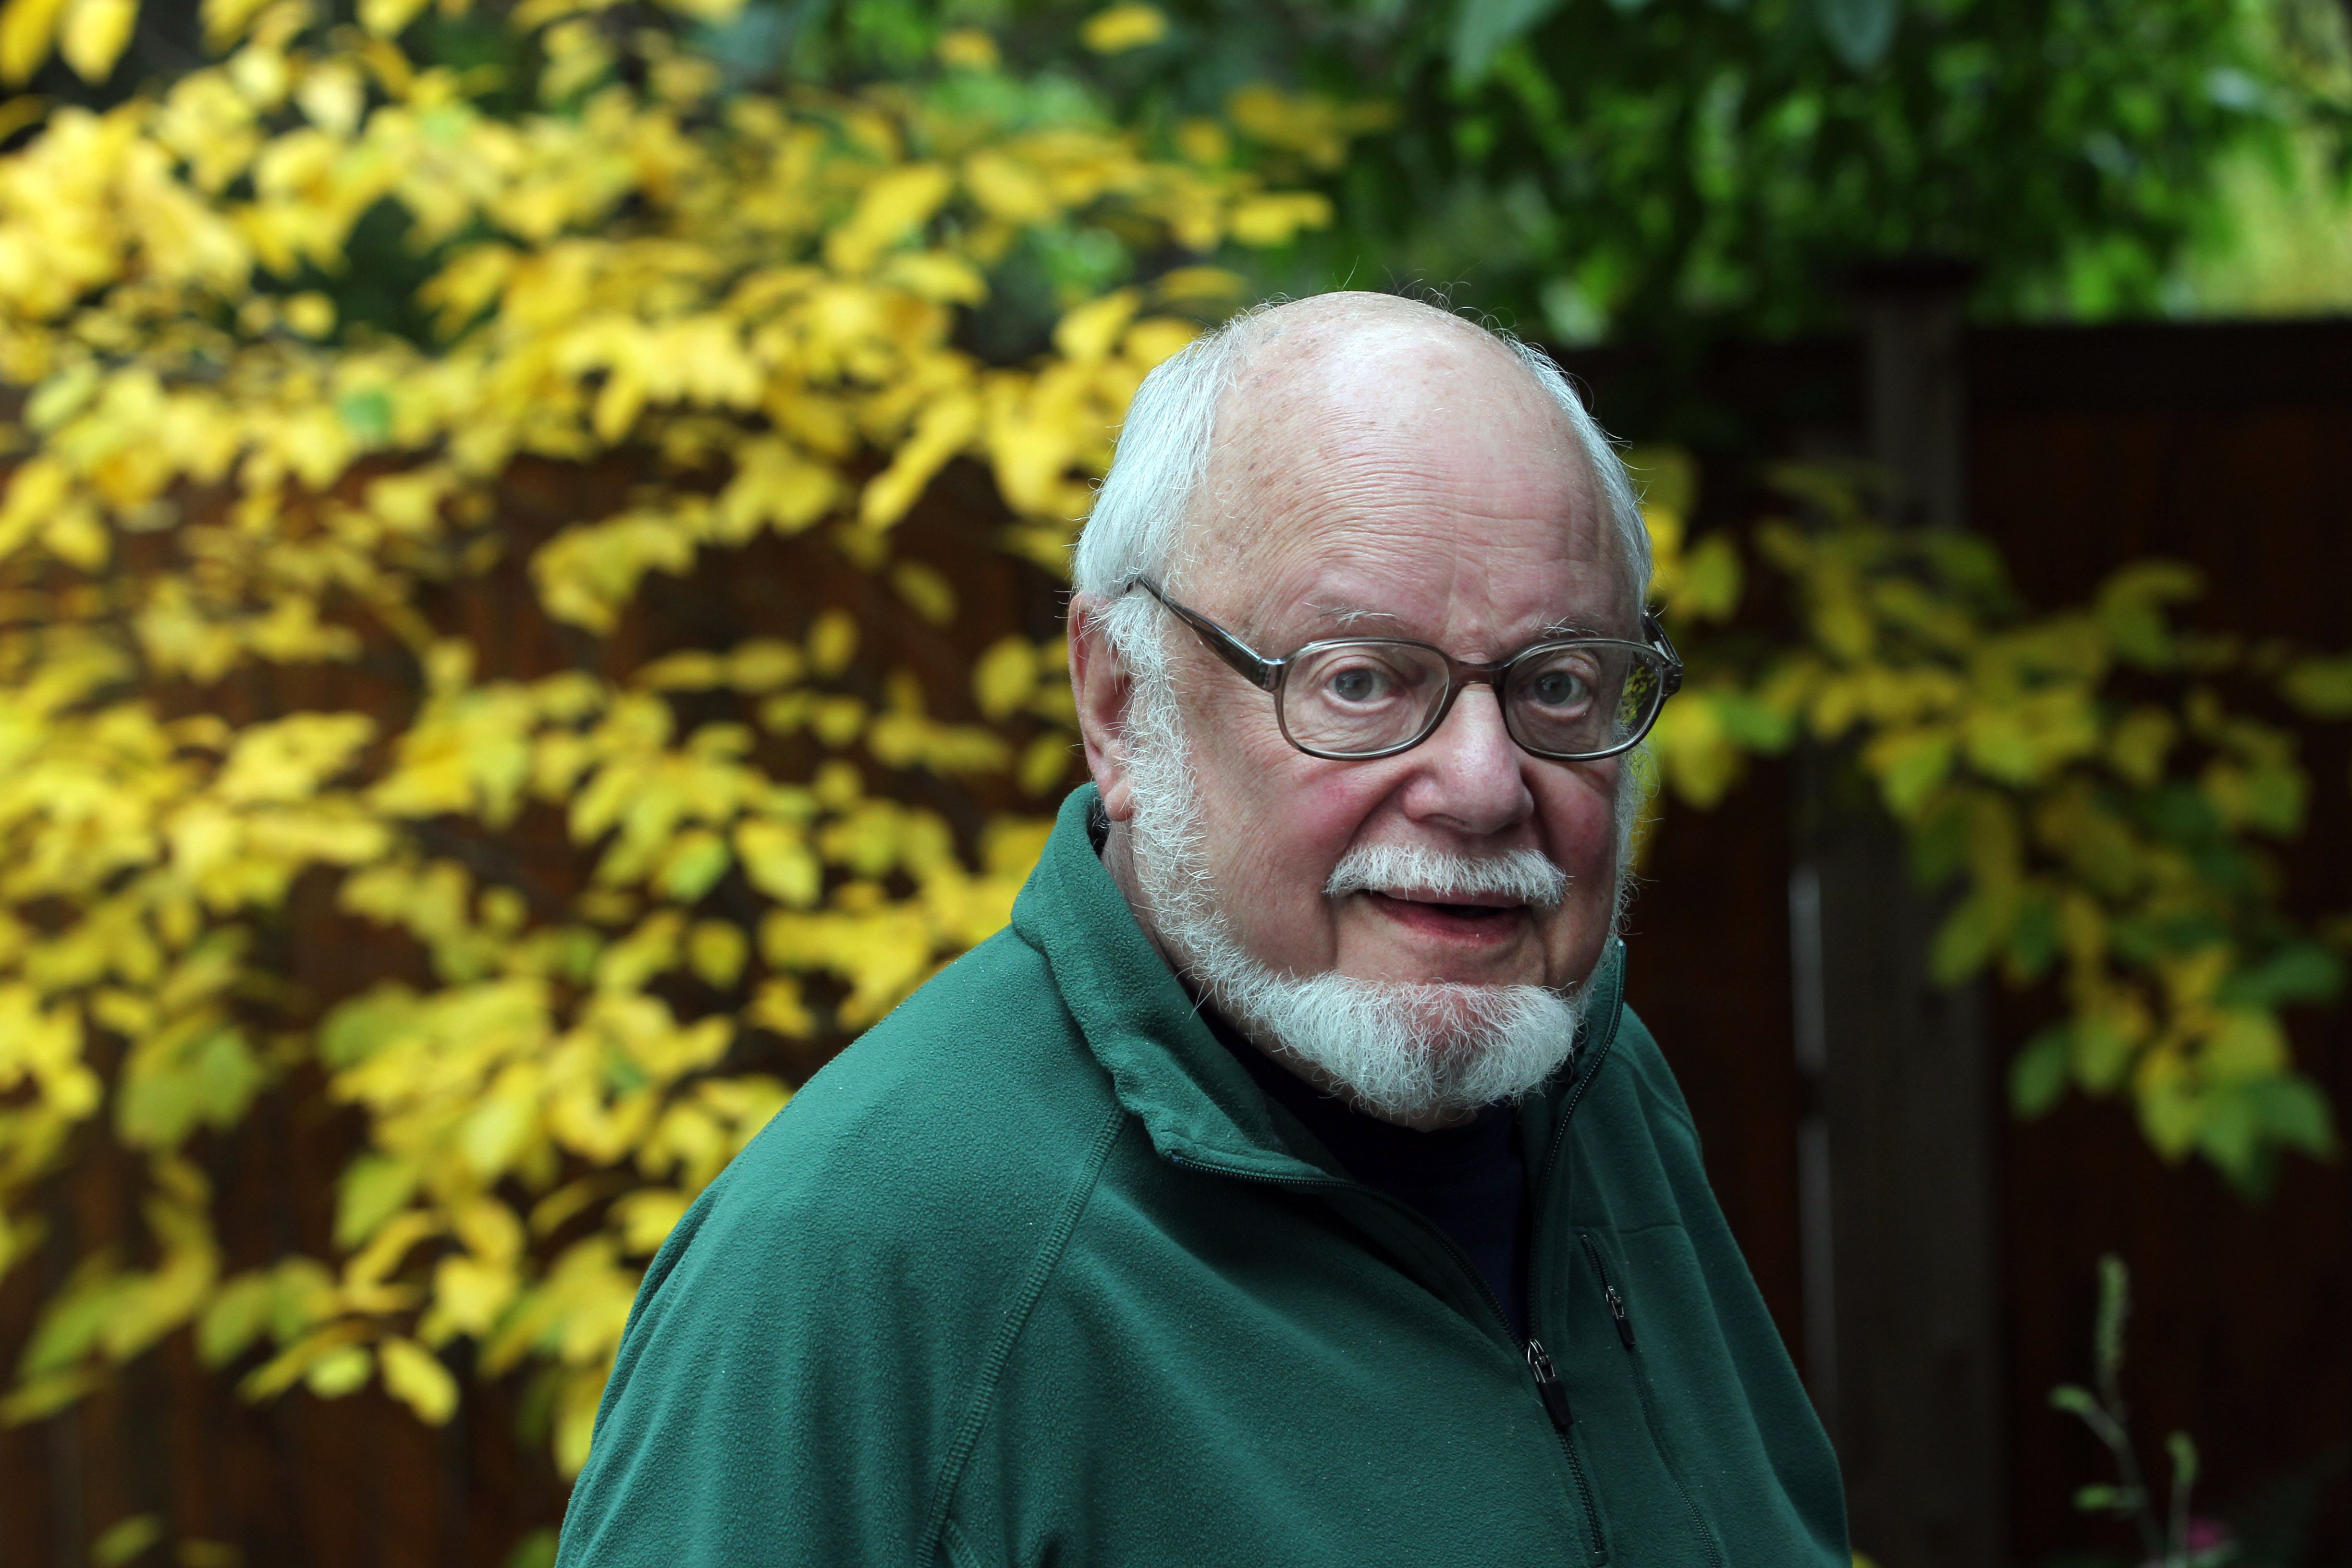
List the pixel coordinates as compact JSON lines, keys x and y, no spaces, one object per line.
{"x":2230,"y":447}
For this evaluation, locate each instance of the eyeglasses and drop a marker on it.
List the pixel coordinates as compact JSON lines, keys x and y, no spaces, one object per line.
{"x":1568,"y":700}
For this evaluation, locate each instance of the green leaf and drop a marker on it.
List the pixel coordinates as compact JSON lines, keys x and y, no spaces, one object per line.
{"x":1482,"y":29}
{"x":2074,"y":1400}
{"x":366,"y":1025}
{"x":235,"y":1318}
{"x":2294,"y":1112}
{"x":341,"y":1371}
{"x":2320,"y":686}
{"x":1859,"y":32}
{"x":2033,"y":938}
{"x":2304,"y":972}
{"x":373,"y":1188}
{"x":2183,"y":1451}
{"x":126,"y":1539}
{"x":536,"y":1549}
{"x":2038,"y":1073}
{"x":1967,"y":938}
{"x":367,"y":415}
{"x":2131,"y":610}
{"x":1911,"y":765}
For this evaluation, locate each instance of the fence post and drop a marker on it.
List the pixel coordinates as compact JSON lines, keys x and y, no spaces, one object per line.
{"x":1896,"y":1163}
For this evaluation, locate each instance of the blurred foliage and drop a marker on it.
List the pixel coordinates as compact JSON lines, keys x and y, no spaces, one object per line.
{"x":1665,"y":170}
{"x":2105,"y":815}
{"x":287,"y":649}
{"x":2284,"y":247}
{"x":404,"y":404}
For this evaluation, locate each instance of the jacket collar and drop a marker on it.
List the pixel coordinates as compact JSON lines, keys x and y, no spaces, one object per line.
{"x":1195,"y":1102}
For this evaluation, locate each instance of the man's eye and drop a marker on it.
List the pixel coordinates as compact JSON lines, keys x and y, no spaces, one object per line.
{"x":1558,"y":689}
{"x":1359,"y":683}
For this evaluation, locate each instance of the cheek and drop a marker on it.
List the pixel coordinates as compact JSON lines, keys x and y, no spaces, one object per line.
{"x":1580,"y":827}
{"x":1276,"y":821}
{"x":1579,"y":810}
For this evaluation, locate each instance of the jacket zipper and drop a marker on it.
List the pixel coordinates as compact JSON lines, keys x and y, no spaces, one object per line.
{"x":1616,"y":1304}
{"x":1549,"y":1390}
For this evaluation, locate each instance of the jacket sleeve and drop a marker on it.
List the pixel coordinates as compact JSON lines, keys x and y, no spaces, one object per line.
{"x":764,"y":1407}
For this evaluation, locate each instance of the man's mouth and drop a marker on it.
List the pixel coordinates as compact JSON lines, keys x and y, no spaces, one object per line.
{"x":1428,"y":914}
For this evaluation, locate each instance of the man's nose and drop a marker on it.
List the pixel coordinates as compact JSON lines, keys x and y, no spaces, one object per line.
{"x":1470,"y":776}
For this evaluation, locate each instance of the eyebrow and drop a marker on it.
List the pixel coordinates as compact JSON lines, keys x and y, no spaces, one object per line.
{"x":1348,"y":616}
{"x":1570,"y":629}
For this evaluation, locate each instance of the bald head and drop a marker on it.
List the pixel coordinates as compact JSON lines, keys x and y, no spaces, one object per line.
{"x":1345,"y":392}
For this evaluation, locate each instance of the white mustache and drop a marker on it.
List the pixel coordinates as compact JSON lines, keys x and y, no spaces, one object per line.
{"x":1516,"y":876}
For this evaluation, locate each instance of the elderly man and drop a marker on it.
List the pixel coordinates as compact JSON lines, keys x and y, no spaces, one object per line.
{"x":1288,"y":1184}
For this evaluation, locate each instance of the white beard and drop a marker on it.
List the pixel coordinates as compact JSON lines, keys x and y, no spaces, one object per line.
{"x":1422,"y":1053}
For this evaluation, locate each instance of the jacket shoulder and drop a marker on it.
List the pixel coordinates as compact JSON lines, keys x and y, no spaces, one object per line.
{"x":1638,"y":1054}
{"x":818,"y":1327}
{"x":934,"y":1134}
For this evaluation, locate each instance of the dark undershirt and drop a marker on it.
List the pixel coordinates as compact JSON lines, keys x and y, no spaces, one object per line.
{"x":1471,"y":1182}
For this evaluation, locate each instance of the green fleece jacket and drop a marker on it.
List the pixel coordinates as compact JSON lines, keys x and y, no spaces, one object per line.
{"x":1034,"y":1273}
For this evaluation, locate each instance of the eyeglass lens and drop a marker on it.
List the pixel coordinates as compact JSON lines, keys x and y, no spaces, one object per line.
{"x":1356,"y":698}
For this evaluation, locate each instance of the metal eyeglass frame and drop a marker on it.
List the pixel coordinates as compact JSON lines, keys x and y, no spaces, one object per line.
{"x":1267,"y":675}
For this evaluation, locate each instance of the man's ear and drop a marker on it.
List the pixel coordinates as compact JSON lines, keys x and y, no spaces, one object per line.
{"x":1104,"y":689}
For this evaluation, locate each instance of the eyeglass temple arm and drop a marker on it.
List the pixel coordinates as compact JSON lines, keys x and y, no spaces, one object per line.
{"x":1655,"y":630}
{"x":1265,"y":674}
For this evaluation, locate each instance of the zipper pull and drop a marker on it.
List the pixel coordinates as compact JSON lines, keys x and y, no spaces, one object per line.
{"x":1547,"y":1385}
{"x":1617,"y":1310}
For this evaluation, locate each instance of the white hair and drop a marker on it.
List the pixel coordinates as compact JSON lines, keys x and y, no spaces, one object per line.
{"x":1140,"y":513}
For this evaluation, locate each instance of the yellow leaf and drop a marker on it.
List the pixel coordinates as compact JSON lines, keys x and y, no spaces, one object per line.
{"x":27,"y":27}
{"x":833,"y":641}
{"x":945,"y":429}
{"x":646,"y":1219}
{"x":715,"y":950}
{"x":778,"y":1006}
{"x":893,"y":207}
{"x":1086,"y":333}
{"x":763,"y":664}
{"x":575,"y":1416}
{"x":1046,"y":763}
{"x":778,"y":862}
{"x":387,"y":18}
{"x":339,"y":1372}
{"x":1122,"y":27}
{"x":93,"y":34}
{"x":967,"y":49}
{"x":1004,"y":187}
{"x":75,"y":536}
{"x":1277,"y":218}
{"x":416,"y":1377}
{"x":1004,"y":676}
{"x":469,"y":1293}
{"x":935,"y":275}
{"x":926,"y":590}
{"x":225,"y":21}
{"x":126,"y":1539}
{"x":1148,"y":343}
{"x":712,"y":12}
{"x":311,"y":315}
